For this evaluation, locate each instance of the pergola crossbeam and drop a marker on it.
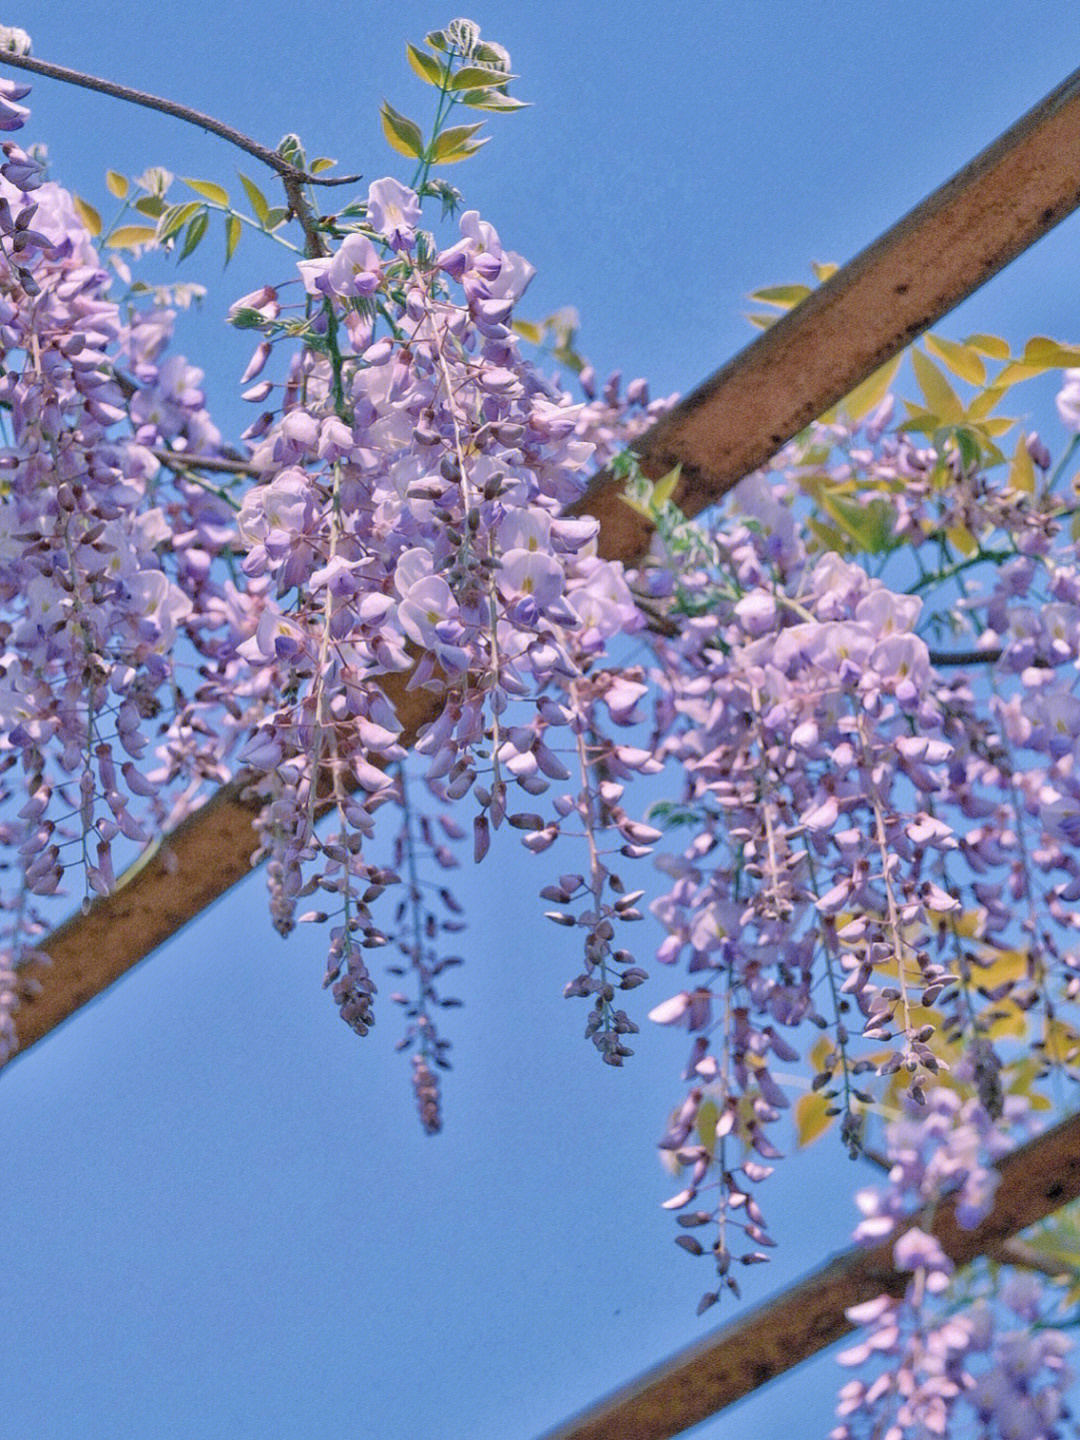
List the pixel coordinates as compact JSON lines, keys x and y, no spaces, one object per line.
{"x":737,"y":1359}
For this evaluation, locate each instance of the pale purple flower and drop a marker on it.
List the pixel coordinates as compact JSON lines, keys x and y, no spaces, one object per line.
{"x":394,"y":211}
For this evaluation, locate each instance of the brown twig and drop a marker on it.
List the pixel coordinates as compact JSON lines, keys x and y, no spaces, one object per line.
{"x":293,"y":177}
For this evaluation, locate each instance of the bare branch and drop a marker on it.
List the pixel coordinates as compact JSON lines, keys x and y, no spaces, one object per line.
{"x":216,"y":465}
{"x":293,"y":178}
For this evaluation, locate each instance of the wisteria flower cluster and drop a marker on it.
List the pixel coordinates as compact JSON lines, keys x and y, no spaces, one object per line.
{"x":998,"y":1360}
{"x":385,"y":601}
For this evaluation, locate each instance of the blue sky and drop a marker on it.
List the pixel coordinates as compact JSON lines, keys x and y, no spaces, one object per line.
{"x":219,"y":1216}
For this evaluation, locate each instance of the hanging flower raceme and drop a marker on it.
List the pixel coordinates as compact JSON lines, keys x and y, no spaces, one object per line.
{"x":92,"y":552}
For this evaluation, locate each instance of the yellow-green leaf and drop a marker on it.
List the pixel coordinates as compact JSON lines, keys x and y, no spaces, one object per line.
{"x":1050,"y":354}
{"x":492,"y":100}
{"x":233,"y":230}
{"x":479,"y":77}
{"x":208,"y":190}
{"x":827,"y":536}
{"x":872,"y":390}
{"x":322,"y":163}
{"x":528,"y":331}
{"x":426,"y":66}
{"x":810,"y":1117}
{"x":824,"y":271}
{"x":1018,"y":370}
{"x":640,"y":508}
{"x":940,"y":397}
{"x":87,"y":214}
{"x":962,"y":360}
{"x":463,"y":151}
{"x":453,"y":139}
{"x":665,"y":488}
{"x":152,"y":205}
{"x":961,"y":538}
{"x":129,"y":237}
{"x":118,"y":184}
{"x":926,"y":422}
{"x":402,"y":133}
{"x":991,"y":345}
{"x":256,"y":199}
{"x":708,"y":1117}
{"x":1022,"y":468}
{"x":175,"y":218}
{"x":986,"y":401}
{"x":783,"y":296}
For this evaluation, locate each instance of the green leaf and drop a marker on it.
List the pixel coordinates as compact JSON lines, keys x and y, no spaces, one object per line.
{"x":962,"y":360}
{"x":208,"y":190}
{"x":291,"y":150}
{"x":828,"y":537}
{"x":437,"y":40}
{"x":175,"y":218}
{"x":195,"y":232}
{"x":870,"y":526}
{"x":118,"y":184}
{"x":322,"y":163}
{"x":824,"y":271}
{"x":275,"y":217}
{"x":492,"y":100}
{"x":256,"y":199}
{"x":402,"y":133}
{"x":426,"y":66}
{"x":127,"y":237}
{"x":940,"y":397}
{"x":784,"y":296}
{"x":87,"y":214}
{"x":479,"y":77}
{"x":152,"y":205}
{"x":528,"y":331}
{"x":991,"y":345}
{"x":453,"y":139}
{"x":233,"y":231}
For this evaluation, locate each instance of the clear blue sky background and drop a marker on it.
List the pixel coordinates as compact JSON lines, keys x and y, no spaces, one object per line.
{"x":218,"y":1216}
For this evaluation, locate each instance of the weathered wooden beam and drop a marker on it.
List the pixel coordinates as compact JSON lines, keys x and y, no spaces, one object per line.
{"x":728,"y":1365}
{"x":992,"y":210}
{"x":986,"y":215}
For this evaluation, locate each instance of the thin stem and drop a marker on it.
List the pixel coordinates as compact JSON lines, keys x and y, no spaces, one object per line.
{"x":179,"y":112}
{"x":1059,"y":469}
{"x":218,"y":465}
{"x":292,"y":176}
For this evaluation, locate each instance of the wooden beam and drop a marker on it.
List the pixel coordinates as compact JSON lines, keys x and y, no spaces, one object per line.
{"x":1008,"y":197}
{"x":986,"y":215}
{"x":1036,"y":1180}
